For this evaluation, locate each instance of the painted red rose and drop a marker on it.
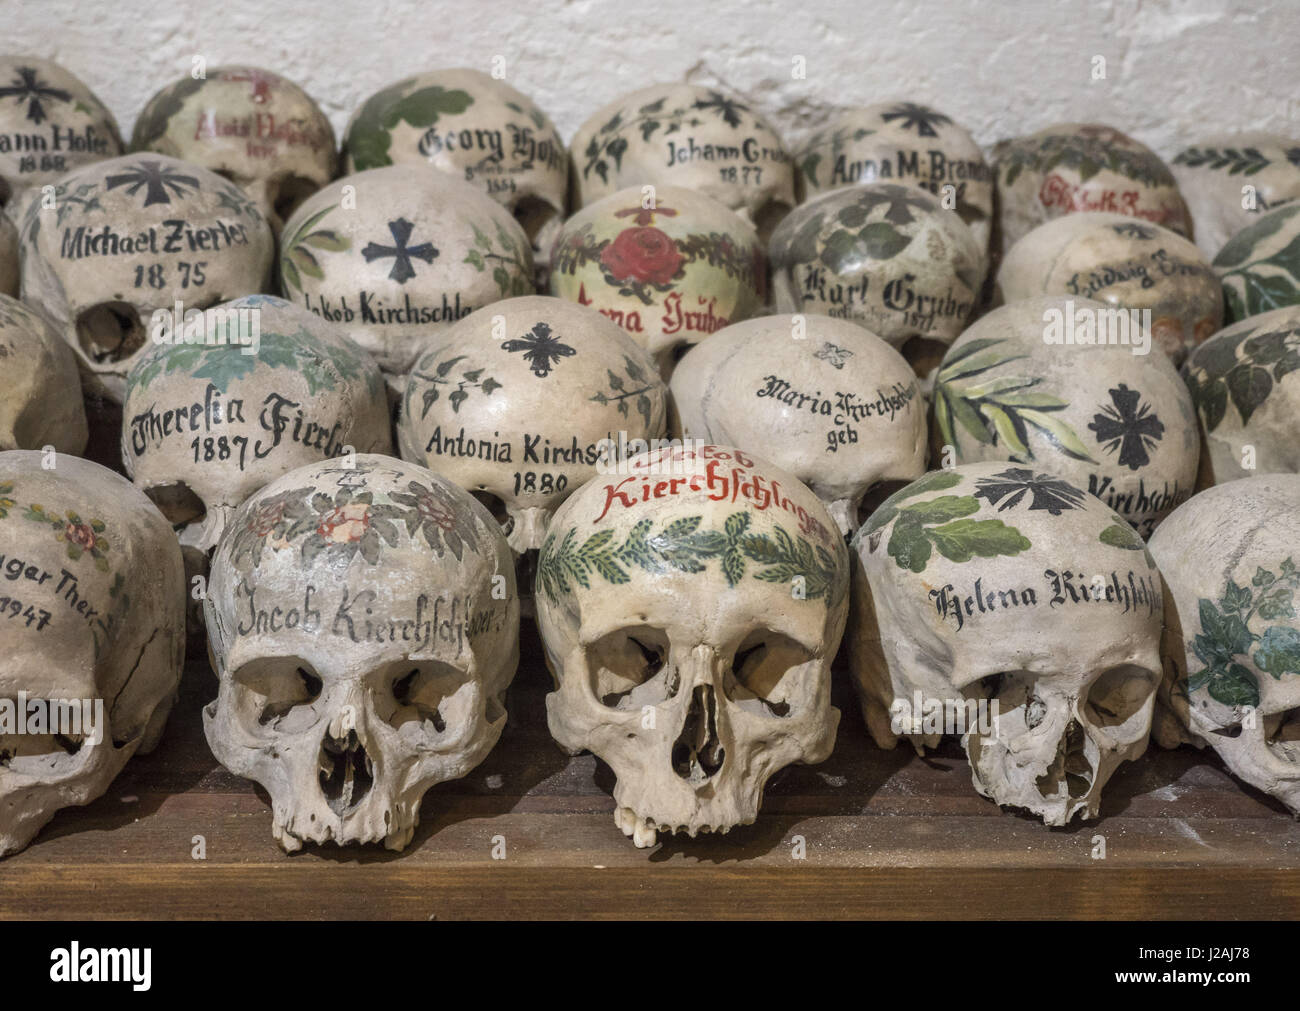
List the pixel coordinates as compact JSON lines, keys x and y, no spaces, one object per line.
{"x":345,"y":523}
{"x":642,"y":254}
{"x":80,"y":534}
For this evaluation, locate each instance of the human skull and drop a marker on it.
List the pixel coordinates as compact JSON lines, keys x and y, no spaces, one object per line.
{"x":691,"y":137}
{"x":1125,"y":263}
{"x":1228,"y":181}
{"x":8,"y":257}
{"x":690,"y":611}
{"x":885,"y":256}
{"x":1260,"y":265}
{"x":254,"y":127}
{"x":1106,"y":417}
{"x":1074,"y":167}
{"x":822,"y":398}
{"x":364,"y":627}
{"x":126,"y":238}
{"x":399,"y":254}
{"x":994,"y":583}
{"x":669,"y":265}
{"x":50,"y":123}
{"x":93,"y":605}
{"x":40,"y":390}
{"x":205,"y":426}
{"x":1245,"y":383}
{"x":1232,"y":640}
{"x":521,"y":403}
{"x":905,"y":143}
{"x":477,"y":129}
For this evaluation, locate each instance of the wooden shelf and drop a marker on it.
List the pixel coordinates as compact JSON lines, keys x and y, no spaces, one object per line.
{"x":887,"y":834}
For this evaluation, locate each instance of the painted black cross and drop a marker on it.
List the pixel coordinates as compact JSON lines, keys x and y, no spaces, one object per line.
{"x":26,"y":87}
{"x":400,"y":252}
{"x":155,"y":179}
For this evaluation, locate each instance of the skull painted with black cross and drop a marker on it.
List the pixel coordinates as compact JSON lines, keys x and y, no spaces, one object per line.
{"x":364,"y":627}
{"x":690,"y":608}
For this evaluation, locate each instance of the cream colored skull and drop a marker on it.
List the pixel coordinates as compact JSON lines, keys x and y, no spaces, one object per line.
{"x":93,"y":616}
{"x":50,"y":123}
{"x":992,"y":582}
{"x":364,"y":627}
{"x":1232,"y":641}
{"x":1074,"y":167}
{"x":1260,"y":265}
{"x":1245,"y":383}
{"x":123,"y":239}
{"x":690,"y":610}
{"x":8,"y":256}
{"x":822,"y":398}
{"x":40,"y":390}
{"x":526,"y":400}
{"x":886,"y":256}
{"x":252,"y":126}
{"x":398,"y":255}
{"x":1114,"y":421}
{"x":905,"y":143}
{"x":474,"y":128}
{"x":669,"y":265}
{"x":1125,"y":263}
{"x":206,"y":426}
{"x":1229,"y":180}
{"x":687,"y":136}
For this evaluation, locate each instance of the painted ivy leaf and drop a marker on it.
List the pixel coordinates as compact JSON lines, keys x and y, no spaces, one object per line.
{"x":1262,"y":294}
{"x":809,"y":167}
{"x":616,"y":149}
{"x":1277,"y":602}
{"x":935,"y":480}
{"x":964,"y":539}
{"x":908,"y":546}
{"x":844,"y":251}
{"x":883,"y":241}
{"x":1232,"y":684}
{"x":457,"y":397}
{"x":1279,"y":651}
{"x":1249,"y":387}
{"x":1121,"y":535}
{"x":488,"y":385}
{"x":1235,"y":598}
{"x":475,"y":259}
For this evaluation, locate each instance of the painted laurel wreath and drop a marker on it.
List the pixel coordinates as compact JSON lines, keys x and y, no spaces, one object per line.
{"x":683,"y":546}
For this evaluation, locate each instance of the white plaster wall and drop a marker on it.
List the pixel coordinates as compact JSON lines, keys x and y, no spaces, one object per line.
{"x":1176,"y":70}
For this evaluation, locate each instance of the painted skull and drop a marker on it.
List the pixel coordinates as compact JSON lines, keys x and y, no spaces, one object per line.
{"x":50,"y":123}
{"x":691,"y":137}
{"x":1073,"y":167}
{"x":124,"y":239}
{"x":669,"y":265}
{"x":1245,"y":382}
{"x":93,"y":620}
{"x":690,"y":611}
{"x":398,"y":255}
{"x":1229,"y":180}
{"x":205,"y":426}
{"x":822,"y":398}
{"x":523,"y":402}
{"x":993,"y":583}
{"x":904,"y":143}
{"x":885,"y":256}
{"x":1232,"y":640}
{"x":40,"y":390}
{"x":477,"y":129}
{"x":1125,"y":263}
{"x":1106,"y":417}
{"x":364,"y":627}
{"x":1260,"y":265}
{"x":254,"y":127}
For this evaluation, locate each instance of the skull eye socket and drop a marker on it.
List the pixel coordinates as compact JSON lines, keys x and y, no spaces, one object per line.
{"x":433,"y":693}
{"x":289,"y":194}
{"x":762,"y":679}
{"x":497,"y":507}
{"x":1118,"y":699}
{"x":276,"y":690}
{"x":178,"y":503}
{"x":624,"y":660}
{"x":532,"y":214}
{"x":109,"y":332}
{"x":1282,"y":734}
{"x":874,"y":496}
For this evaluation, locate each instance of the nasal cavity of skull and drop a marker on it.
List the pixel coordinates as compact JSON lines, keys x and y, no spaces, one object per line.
{"x":278,"y":691}
{"x":625,"y":660}
{"x":178,"y":503}
{"x":1282,"y":734}
{"x":763,"y":671}
{"x":346,"y":772}
{"x":109,"y":332}
{"x":430,"y":693}
{"x":698,"y":753}
{"x":497,"y":507}
{"x":1070,"y":767}
{"x":1118,"y":701}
